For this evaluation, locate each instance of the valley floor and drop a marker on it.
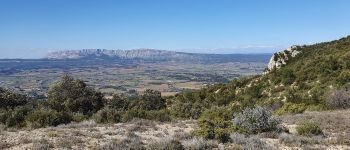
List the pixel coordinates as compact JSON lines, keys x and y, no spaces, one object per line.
{"x":89,"y":135}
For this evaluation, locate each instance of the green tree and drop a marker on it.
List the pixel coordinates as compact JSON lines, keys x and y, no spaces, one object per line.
{"x":73,"y":95}
{"x":150,"y":100}
{"x":118,"y":102}
{"x":10,"y":100}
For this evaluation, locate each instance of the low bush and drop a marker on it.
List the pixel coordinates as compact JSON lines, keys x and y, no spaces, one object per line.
{"x":166,"y":145}
{"x":198,"y":144}
{"x":79,"y":117}
{"x":290,"y":140}
{"x":107,"y":115}
{"x":309,"y":128}
{"x":292,"y":108}
{"x":150,"y":100}
{"x":256,"y":143}
{"x":339,"y":99}
{"x":41,"y":144}
{"x":215,"y":124}
{"x":15,"y":117}
{"x":47,"y":117}
{"x":156,"y":115}
{"x":10,"y":100}
{"x":246,"y":142}
{"x":257,"y":120}
{"x":238,"y":138}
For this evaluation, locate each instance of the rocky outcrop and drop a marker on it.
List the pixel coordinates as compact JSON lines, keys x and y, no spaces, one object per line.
{"x":280,"y":58}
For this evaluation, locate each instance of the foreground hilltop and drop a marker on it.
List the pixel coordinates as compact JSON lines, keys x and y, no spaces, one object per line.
{"x":297,"y":79}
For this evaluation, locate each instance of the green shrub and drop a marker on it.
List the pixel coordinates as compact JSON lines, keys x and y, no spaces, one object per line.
{"x":15,"y":117}
{"x":47,"y":117}
{"x":107,"y":115}
{"x":215,"y":124}
{"x":157,"y":115}
{"x":10,"y":100}
{"x":133,"y":113}
{"x":344,"y":77}
{"x":257,"y":120}
{"x":118,"y":102}
{"x":319,"y":107}
{"x":79,"y":117}
{"x":150,"y":100}
{"x":73,"y":95}
{"x":309,"y":128}
{"x":291,"y":108}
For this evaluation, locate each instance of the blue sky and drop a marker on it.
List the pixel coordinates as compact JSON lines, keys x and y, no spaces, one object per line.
{"x":31,"y":28}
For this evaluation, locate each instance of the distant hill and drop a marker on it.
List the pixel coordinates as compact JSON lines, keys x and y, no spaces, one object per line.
{"x":154,"y":55}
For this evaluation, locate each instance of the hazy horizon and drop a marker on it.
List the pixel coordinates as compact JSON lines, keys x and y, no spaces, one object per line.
{"x":30,"y":29}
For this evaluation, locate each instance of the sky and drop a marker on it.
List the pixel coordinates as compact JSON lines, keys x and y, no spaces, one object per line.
{"x":32,"y":28}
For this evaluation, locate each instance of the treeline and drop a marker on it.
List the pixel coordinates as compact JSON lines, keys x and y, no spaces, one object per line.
{"x":72,"y":100}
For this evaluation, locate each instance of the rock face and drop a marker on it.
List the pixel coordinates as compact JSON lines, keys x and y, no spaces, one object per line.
{"x":127,"y":54}
{"x":281,"y":58}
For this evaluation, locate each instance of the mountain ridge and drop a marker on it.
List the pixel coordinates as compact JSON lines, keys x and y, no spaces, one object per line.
{"x":152,"y":55}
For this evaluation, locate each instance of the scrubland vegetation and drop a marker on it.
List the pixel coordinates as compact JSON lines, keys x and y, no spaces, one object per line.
{"x":289,"y":107}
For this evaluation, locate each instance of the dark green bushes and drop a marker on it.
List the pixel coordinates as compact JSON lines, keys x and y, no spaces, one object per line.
{"x":108,"y":115}
{"x":47,"y":117}
{"x":73,"y":95}
{"x":10,"y":100}
{"x":157,"y":115}
{"x":15,"y":117}
{"x":216,"y":124}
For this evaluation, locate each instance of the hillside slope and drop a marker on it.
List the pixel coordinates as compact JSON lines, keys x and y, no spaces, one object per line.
{"x":301,"y":81}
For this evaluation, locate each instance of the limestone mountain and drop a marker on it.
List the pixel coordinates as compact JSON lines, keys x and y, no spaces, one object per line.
{"x":154,"y":55}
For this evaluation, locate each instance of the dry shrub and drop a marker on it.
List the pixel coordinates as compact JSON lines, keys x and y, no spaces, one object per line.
{"x":41,"y":144}
{"x":198,"y":144}
{"x":167,"y":144}
{"x":246,"y":142}
{"x":83,"y":124}
{"x":25,"y":140}
{"x":257,"y":120}
{"x":182,"y":135}
{"x":339,"y":99}
{"x":289,"y":140}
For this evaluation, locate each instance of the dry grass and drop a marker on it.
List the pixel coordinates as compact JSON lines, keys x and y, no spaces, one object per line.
{"x":89,"y":135}
{"x":139,"y":134}
{"x":331,"y":122}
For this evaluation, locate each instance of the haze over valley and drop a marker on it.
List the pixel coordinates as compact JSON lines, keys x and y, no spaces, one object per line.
{"x":118,"y":71}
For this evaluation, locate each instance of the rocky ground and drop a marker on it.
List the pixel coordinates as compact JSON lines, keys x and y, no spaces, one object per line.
{"x":89,"y":135}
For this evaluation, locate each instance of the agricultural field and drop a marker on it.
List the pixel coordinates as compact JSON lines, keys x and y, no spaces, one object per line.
{"x":167,"y":77}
